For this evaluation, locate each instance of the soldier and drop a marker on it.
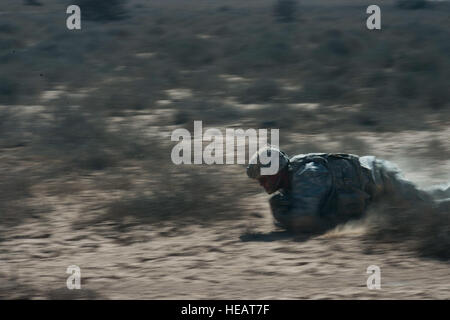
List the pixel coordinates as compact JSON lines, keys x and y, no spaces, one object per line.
{"x":316,"y":191}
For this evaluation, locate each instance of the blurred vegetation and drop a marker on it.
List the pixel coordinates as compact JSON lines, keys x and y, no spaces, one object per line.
{"x":32,"y":3}
{"x":285,"y":10}
{"x":101,"y":10}
{"x":412,"y":4}
{"x":211,"y":199}
{"x":334,"y":60}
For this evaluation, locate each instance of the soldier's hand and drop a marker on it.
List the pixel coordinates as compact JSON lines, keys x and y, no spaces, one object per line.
{"x":279,"y":201}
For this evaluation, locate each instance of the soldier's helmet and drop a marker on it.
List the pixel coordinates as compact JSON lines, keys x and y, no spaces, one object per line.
{"x":255,"y":164}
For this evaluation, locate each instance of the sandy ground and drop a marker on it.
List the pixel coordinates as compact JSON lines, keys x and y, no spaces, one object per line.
{"x":230,"y":260}
{"x":241,"y":259}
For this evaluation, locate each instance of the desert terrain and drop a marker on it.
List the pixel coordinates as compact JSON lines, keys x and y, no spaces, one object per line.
{"x":87,"y":178}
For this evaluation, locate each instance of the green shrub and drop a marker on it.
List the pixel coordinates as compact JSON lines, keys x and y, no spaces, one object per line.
{"x":79,"y":140}
{"x":438,"y":95}
{"x":8,"y":28}
{"x":11,"y":128}
{"x":32,"y":3}
{"x":14,"y":190}
{"x":101,"y":10}
{"x":191,"y":51}
{"x":8,"y":90}
{"x":314,"y":91}
{"x":411,"y":4}
{"x":406,"y":86}
{"x":285,"y":10}
{"x":263,"y":90}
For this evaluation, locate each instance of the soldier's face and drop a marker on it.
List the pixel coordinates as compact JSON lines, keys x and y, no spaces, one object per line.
{"x":269,"y":183}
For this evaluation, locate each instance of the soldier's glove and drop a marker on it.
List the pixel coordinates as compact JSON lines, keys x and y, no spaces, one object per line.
{"x":279,"y":203}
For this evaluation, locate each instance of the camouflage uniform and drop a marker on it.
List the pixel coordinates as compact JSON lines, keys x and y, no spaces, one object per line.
{"x":326,"y":189}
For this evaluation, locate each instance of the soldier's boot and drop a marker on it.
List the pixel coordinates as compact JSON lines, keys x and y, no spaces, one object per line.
{"x":399,"y":190}
{"x":439,"y":192}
